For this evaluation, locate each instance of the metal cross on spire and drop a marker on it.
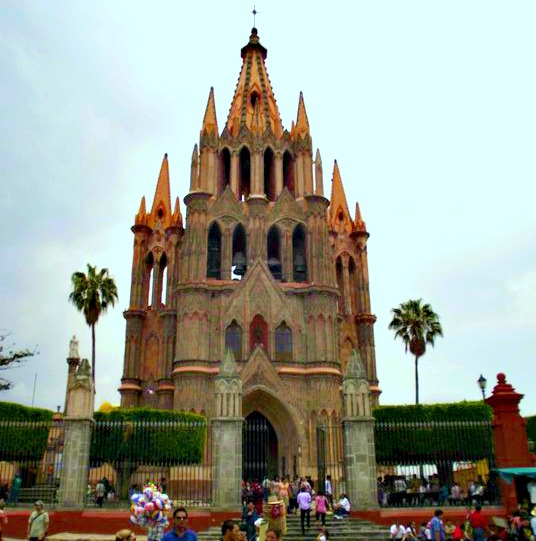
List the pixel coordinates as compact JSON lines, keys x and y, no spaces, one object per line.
{"x":254,"y":14}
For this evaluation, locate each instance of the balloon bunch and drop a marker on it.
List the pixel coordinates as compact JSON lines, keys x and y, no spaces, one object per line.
{"x":150,"y":507}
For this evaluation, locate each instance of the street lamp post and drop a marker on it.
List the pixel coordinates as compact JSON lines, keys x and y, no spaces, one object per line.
{"x":482,"y":384}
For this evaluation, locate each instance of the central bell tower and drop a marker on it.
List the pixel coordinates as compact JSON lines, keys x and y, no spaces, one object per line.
{"x":265,"y":267}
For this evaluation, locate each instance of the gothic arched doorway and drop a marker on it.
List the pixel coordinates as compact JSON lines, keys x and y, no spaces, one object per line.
{"x":260,"y":448}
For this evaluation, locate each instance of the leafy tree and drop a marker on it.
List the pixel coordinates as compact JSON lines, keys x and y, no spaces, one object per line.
{"x":416,"y":325}
{"x":92,"y":294}
{"x":9,"y":358}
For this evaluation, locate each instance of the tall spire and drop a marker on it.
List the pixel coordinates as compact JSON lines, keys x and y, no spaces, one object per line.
{"x":161,"y":209}
{"x":254,"y":86}
{"x":301,"y":129}
{"x":360,"y":225}
{"x":339,"y":215}
{"x":141,"y":217}
{"x":210,"y":121}
{"x":319,"y":175}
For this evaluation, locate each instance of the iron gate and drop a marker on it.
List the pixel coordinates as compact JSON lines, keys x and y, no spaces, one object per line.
{"x":255,"y":449}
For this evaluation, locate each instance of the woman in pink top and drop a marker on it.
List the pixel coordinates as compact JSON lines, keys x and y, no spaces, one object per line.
{"x":321,"y":503}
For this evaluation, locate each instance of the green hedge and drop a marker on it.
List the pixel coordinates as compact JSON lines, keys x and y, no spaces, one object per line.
{"x":17,"y":412}
{"x":531,"y":428}
{"x":433,"y":434}
{"x":458,"y":411}
{"x":23,"y":431}
{"x":148,"y":436}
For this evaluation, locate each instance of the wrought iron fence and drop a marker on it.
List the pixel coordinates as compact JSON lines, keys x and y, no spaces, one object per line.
{"x":30,"y":460}
{"x":435,"y":463}
{"x":330,"y":458}
{"x":173,"y":454}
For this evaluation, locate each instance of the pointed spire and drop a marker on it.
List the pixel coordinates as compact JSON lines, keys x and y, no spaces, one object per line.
{"x":141,"y":217}
{"x":194,"y":171}
{"x":161,"y":209}
{"x":360,"y":225}
{"x":177,"y":216}
{"x":210,"y":121}
{"x":301,"y":128}
{"x":319,"y":175}
{"x":339,"y":215}
{"x":254,"y":87}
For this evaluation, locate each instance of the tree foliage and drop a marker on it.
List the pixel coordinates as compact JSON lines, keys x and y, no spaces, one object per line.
{"x":9,"y":358}
{"x":416,"y":325}
{"x":92,"y":294}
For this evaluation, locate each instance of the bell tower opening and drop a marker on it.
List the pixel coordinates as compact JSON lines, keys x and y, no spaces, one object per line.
{"x":245,"y":174}
{"x":260,"y":448}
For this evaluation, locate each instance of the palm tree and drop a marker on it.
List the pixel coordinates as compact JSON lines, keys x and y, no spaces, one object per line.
{"x":92,"y":294}
{"x":416,"y":325}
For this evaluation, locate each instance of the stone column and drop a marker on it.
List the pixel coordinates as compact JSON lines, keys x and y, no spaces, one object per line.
{"x":509,"y":436}
{"x":358,"y":426}
{"x":227,"y":436}
{"x":78,"y":424}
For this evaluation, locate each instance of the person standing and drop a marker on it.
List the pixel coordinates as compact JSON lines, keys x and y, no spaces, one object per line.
{"x":38,"y":523}
{"x":304,"y":505}
{"x":321,"y":505}
{"x":100,"y":492}
{"x":479,"y":523}
{"x":328,"y":490}
{"x":249,"y":517}
{"x":180,"y":529}
{"x":15,"y":488}
{"x":436,"y":526}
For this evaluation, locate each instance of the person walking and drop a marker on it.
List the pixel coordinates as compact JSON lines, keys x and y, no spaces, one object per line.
{"x":38,"y":523}
{"x":180,"y":531}
{"x":321,"y":506}
{"x":304,"y":505}
{"x":479,"y":523}
{"x":436,"y":526}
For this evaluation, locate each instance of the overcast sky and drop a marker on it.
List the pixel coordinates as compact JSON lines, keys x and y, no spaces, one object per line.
{"x":429,"y":108}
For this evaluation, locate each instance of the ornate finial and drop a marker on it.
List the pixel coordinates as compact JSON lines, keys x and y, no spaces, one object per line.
{"x":228,"y":366}
{"x":355,"y":368}
{"x":84,"y":370}
{"x":254,"y":15}
{"x":73,"y":348}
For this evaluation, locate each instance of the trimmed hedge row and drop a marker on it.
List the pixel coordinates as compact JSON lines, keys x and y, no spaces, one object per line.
{"x":457,"y":411}
{"x":148,"y":436}
{"x":16,"y":412}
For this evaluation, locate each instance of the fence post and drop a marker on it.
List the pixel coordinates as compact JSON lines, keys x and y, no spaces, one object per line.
{"x":227,"y":435}
{"x":358,"y":426}
{"x":509,"y":436}
{"x":78,"y":423}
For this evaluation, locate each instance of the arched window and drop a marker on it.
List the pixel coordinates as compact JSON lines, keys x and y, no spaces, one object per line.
{"x":233,"y":339}
{"x":225,"y":169}
{"x":245,"y":174}
{"x":162,"y":279}
{"x":283,"y":343}
{"x":148,"y":280}
{"x":258,"y":333}
{"x":269,"y":174}
{"x":352,"y":271}
{"x":239,"y":261}
{"x":299,"y":261}
{"x":274,"y":252}
{"x":214,"y":252}
{"x":288,"y":172}
{"x":340,"y":284}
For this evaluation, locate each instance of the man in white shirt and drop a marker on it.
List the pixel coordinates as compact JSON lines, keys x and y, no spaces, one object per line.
{"x":397,"y":531}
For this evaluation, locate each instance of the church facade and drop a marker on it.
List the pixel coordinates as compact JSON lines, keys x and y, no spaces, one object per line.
{"x":264,"y":266}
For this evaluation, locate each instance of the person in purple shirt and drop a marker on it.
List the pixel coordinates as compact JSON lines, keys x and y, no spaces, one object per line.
{"x":304,"y":503}
{"x":436,"y":526}
{"x":180,"y":531}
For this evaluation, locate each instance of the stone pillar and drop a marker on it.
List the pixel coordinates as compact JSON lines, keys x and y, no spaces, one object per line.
{"x":227,"y":436}
{"x":358,"y":426}
{"x":78,"y":424}
{"x":73,"y":361}
{"x":509,"y":436}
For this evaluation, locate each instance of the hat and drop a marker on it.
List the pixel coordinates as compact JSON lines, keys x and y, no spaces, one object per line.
{"x":272,"y":500}
{"x":39,"y":503}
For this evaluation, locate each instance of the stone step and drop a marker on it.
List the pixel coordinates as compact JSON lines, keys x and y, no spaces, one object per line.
{"x":341,"y":530}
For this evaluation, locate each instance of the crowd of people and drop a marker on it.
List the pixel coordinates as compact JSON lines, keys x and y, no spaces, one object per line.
{"x":402,"y":491}
{"x":520,"y":526}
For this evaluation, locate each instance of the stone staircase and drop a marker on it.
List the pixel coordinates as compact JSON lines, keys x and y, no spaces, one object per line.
{"x":347,"y":529}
